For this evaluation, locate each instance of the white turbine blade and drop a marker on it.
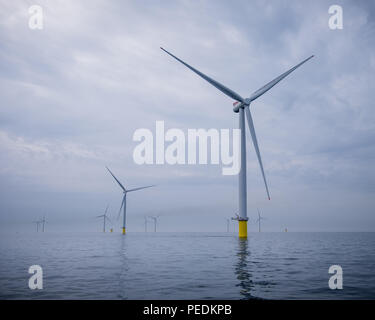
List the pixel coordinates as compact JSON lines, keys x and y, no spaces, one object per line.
{"x":230,"y":93}
{"x":101,"y":216}
{"x":122,"y":187}
{"x":106,"y":209}
{"x":136,"y":189}
{"x":122,"y":204}
{"x":270,"y":84}
{"x":255,"y":142}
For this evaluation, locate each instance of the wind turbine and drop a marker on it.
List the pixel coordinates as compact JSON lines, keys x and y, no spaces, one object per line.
{"x":123,"y":203}
{"x":37,"y":225}
{"x":242,"y":106}
{"x":259,"y":219}
{"x":105,"y":217}
{"x":227,"y":224}
{"x":155,"y":218}
{"x":43,"y":222}
{"x":145,"y":223}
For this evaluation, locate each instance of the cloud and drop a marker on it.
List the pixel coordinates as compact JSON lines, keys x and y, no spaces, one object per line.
{"x":73,"y":94}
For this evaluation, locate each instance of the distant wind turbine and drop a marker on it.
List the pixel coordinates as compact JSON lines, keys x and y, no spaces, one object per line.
{"x":242,"y":106}
{"x":43,"y":223}
{"x":123,"y":203}
{"x":236,"y":218}
{"x":105,"y":217}
{"x":228,"y":221}
{"x":155,"y":218}
{"x":259,"y":219}
{"x":37,"y":225}
{"x":145,"y":223}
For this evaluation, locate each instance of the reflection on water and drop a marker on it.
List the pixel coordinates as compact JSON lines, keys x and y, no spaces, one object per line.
{"x":242,"y":269}
{"x":124,"y":271}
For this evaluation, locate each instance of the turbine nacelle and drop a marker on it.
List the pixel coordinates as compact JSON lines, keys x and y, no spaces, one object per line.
{"x":237,"y":105}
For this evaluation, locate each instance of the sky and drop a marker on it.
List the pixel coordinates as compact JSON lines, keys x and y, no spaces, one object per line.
{"x":73,"y":94}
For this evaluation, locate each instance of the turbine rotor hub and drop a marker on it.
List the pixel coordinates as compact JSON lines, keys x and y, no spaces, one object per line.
{"x":237,"y":105}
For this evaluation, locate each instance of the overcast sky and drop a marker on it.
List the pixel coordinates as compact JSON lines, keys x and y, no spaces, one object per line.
{"x":72,"y":95}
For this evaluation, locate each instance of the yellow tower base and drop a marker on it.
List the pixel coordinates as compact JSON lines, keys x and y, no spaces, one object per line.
{"x":242,"y":228}
{"x":123,"y":231}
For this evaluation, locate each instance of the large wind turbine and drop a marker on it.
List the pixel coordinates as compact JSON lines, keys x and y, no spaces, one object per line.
{"x":105,"y":217}
{"x":241,"y":106}
{"x":259,"y":219}
{"x":123,"y":203}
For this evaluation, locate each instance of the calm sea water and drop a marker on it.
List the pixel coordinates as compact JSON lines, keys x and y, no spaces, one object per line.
{"x":187,"y":265}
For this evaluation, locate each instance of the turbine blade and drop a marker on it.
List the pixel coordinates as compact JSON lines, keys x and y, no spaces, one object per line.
{"x":106,"y":209}
{"x":101,"y":216}
{"x":255,"y":142}
{"x":270,"y":84}
{"x":136,"y":189}
{"x":230,"y":93}
{"x":122,"y":204}
{"x":122,"y":187}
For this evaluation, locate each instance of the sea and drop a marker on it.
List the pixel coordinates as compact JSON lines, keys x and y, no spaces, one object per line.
{"x":153,"y":265}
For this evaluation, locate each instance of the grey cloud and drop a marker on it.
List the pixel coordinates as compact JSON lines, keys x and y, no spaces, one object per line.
{"x":73,"y":94}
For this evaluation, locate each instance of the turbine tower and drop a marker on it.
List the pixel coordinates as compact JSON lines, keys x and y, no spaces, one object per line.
{"x":123,"y":203}
{"x":105,"y":217}
{"x":145,"y":223}
{"x":242,"y":106}
{"x":259,"y":219}
{"x":155,"y":218}
{"x":43,"y":223}
{"x":37,"y":225}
